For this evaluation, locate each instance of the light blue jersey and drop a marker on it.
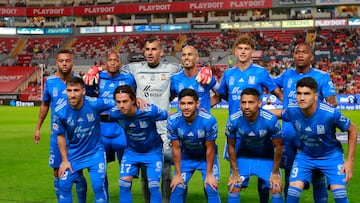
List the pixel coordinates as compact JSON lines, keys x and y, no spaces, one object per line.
{"x":193,"y":138}
{"x":55,"y":94}
{"x":81,"y":129}
{"x":319,"y":150}
{"x":317,"y":134}
{"x":180,"y":81}
{"x":140,"y":129}
{"x":290,"y":77}
{"x":287,"y":81}
{"x":235,"y":80}
{"x":256,"y":138}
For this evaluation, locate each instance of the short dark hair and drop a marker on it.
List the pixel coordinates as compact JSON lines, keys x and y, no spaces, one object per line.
{"x":188,"y":92}
{"x":250,"y":91}
{"x":305,"y":44}
{"x":308,"y":82}
{"x":127,"y":89}
{"x":64,"y":51}
{"x":152,"y":40}
{"x":75,"y":80}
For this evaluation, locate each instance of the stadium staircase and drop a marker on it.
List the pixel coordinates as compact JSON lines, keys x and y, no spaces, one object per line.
{"x":18,"y":47}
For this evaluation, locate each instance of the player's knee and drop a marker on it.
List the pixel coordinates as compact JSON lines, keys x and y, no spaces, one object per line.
{"x":125,"y":184}
{"x":179,"y":191}
{"x":154,"y":187}
{"x":210,"y":192}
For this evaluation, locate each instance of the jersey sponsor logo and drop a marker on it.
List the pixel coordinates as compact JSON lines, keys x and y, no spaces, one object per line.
{"x":152,"y":92}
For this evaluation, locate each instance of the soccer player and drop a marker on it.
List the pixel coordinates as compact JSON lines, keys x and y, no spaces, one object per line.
{"x":113,"y":135}
{"x":193,"y":133}
{"x":187,"y":78}
{"x":245,"y":75}
{"x":260,"y":148}
{"x":77,"y":126}
{"x":55,"y":95}
{"x":153,"y":85}
{"x":303,"y":57}
{"x":315,"y":123}
{"x":144,"y":144}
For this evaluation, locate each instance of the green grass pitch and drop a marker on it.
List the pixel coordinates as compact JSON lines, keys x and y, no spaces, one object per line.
{"x":26,"y":176}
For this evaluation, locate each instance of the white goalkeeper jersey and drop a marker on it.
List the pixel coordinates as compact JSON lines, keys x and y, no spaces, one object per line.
{"x":153,"y":84}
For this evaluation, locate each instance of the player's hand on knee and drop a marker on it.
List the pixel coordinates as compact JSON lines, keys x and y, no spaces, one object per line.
{"x":204,"y":76}
{"x":275,"y":183}
{"x":176,"y":181}
{"x":91,"y":77}
{"x":234,"y":183}
{"x":211,"y":181}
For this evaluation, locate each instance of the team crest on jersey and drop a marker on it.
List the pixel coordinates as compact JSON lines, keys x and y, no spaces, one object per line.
{"x":55,"y":92}
{"x":180,"y":132}
{"x":251,"y":80}
{"x":90,"y":117}
{"x":320,"y":129}
{"x":289,"y":83}
{"x":262,"y":133}
{"x":201,"y":133}
{"x":143,"y":124}
{"x":231,"y":80}
{"x":163,"y":76}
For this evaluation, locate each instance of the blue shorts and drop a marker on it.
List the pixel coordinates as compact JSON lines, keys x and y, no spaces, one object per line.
{"x":330,"y":166}
{"x":114,"y":140}
{"x":188,"y":167}
{"x":153,"y":161}
{"x":55,"y":156}
{"x":261,"y":168}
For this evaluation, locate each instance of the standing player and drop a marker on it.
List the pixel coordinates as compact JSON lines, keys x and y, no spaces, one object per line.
{"x":303,"y":57}
{"x":113,"y":135}
{"x":193,"y":133}
{"x":315,"y":124}
{"x":55,"y":95}
{"x":246,"y":75}
{"x":187,"y":78}
{"x":144,"y":144}
{"x":260,"y":148}
{"x":77,"y":126}
{"x":153,"y":85}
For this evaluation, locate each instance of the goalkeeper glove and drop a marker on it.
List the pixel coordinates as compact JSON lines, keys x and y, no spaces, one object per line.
{"x":91,"y":77}
{"x":204,"y":76}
